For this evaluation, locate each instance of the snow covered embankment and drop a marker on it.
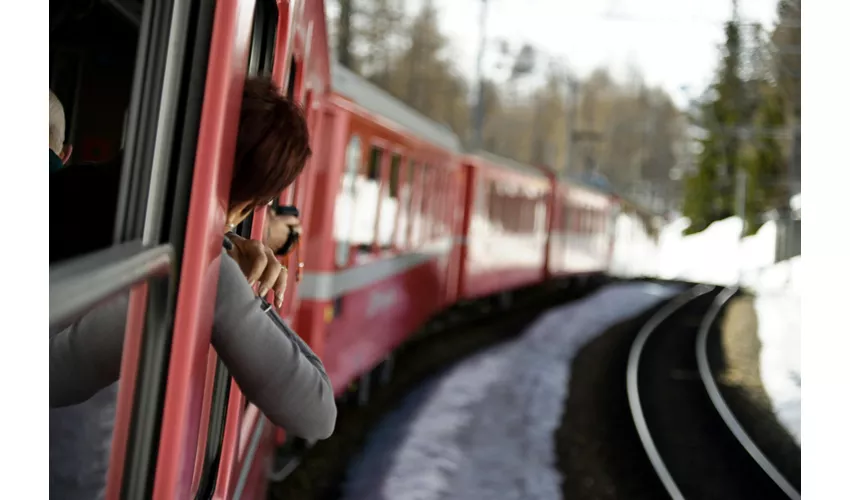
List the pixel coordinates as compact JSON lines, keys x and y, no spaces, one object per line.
{"x":777,"y":304}
{"x":484,"y":429}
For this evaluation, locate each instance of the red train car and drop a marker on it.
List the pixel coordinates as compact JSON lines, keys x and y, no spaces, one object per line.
{"x":582,"y":235}
{"x":399,"y":221}
{"x":505,"y":231}
{"x":406,"y":224}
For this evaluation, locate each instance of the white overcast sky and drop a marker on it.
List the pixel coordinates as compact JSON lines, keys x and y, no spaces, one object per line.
{"x":673,"y":42}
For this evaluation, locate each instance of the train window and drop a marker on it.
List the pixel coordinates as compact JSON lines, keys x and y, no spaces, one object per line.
{"x":513,"y":206}
{"x":400,"y":232}
{"x":440,"y":204}
{"x":263,"y":31}
{"x":446,"y":203}
{"x":375,"y":165}
{"x":366,"y":203}
{"x":493,"y":207}
{"x":426,"y":202}
{"x":292,"y":81}
{"x":540,"y":217}
{"x":344,"y":212}
{"x":395,"y":168}
{"x":389,"y":204}
{"x":519,"y":214}
{"x":142,"y":127}
{"x":412,"y":197}
{"x":481,"y":197}
{"x":437,"y":202}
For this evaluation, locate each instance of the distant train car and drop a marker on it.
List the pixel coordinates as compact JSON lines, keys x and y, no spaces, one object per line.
{"x":583,"y":229}
{"x":505,"y":229}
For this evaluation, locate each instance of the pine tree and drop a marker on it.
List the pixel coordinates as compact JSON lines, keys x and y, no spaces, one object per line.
{"x":710,"y":192}
{"x":763,"y":160}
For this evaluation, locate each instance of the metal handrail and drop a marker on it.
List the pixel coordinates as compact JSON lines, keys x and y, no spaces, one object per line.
{"x":79,"y":284}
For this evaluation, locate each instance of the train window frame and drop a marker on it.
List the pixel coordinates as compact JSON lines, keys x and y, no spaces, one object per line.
{"x":161,"y":139}
{"x":395,"y":173}
{"x":492,"y":203}
{"x":373,"y":168}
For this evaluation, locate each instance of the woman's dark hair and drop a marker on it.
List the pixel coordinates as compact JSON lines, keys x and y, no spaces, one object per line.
{"x":272,"y":146}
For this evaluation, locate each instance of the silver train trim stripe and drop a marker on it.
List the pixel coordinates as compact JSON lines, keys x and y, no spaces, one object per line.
{"x":329,"y":285}
{"x":325,"y":286}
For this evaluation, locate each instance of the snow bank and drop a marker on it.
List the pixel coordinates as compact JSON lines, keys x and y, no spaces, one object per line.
{"x":778,"y":308}
{"x":484,"y":429}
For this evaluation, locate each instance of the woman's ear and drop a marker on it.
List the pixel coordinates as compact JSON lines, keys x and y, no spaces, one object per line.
{"x":237,"y":214}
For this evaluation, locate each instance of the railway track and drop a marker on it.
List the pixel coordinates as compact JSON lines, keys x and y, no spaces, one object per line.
{"x":694,"y":442}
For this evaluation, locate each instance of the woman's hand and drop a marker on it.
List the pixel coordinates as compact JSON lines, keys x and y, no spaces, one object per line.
{"x":260,"y":265}
{"x":278,"y":228}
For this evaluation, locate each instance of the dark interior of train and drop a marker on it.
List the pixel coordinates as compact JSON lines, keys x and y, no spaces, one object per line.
{"x":92,"y":58}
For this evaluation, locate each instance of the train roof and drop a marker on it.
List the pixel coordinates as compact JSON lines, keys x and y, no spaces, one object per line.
{"x":508,"y":163}
{"x":375,"y":100}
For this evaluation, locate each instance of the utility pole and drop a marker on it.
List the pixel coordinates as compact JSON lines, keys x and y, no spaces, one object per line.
{"x":478,"y":116}
{"x":572,"y":116}
{"x":741,"y":209}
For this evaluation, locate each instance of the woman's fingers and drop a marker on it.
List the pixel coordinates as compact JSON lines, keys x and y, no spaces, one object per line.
{"x":261,"y":267}
{"x":258,"y":259}
{"x":270,"y":274}
{"x":280,"y":287}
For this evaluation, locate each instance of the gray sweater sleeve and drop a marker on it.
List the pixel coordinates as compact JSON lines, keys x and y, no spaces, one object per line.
{"x":275,"y":369}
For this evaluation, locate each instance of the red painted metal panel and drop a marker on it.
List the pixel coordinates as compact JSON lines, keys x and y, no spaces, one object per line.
{"x":195,"y":302}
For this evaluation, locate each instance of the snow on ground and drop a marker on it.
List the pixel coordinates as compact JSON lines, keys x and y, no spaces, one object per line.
{"x":484,"y":429}
{"x":717,"y":256}
{"x":777,"y":304}
{"x":713,"y":256}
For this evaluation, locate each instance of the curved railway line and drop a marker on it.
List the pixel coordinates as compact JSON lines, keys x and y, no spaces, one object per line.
{"x":695,"y":444}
